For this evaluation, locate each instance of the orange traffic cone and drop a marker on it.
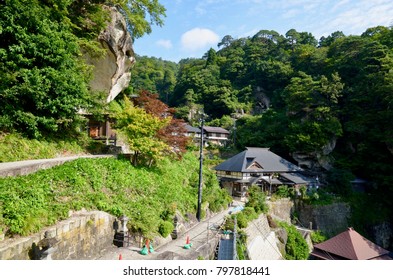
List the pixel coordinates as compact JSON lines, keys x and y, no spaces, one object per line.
{"x":188,"y":240}
{"x":147,"y":244}
{"x":120,"y":257}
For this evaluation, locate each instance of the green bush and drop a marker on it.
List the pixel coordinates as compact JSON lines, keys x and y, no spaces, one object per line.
{"x":242,"y":220}
{"x":283,"y":192}
{"x":165,"y":228}
{"x":250,"y":213}
{"x":317,"y":237}
{"x":257,"y":200}
{"x":296,"y":247}
{"x":241,"y":245}
{"x":229,"y":223}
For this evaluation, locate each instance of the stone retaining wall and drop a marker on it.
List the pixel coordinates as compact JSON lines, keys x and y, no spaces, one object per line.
{"x":281,"y":209}
{"x":82,"y":236}
{"x":330,"y":219}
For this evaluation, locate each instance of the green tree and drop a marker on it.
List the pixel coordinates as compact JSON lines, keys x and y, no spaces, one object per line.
{"x":141,"y":129}
{"x":312,"y":112}
{"x":327,"y":41}
{"x":140,"y":15}
{"x":44,"y":83}
{"x":365,"y":66}
{"x":173,"y":134}
{"x":154,"y":75}
{"x":226,"y":41}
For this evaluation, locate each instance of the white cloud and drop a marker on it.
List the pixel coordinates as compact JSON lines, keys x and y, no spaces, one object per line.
{"x":355,"y":19}
{"x":166,"y":44}
{"x":205,"y":6}
{"x":199,"y":39}
{"x":340,"y":4}
{"x":291,"y":13}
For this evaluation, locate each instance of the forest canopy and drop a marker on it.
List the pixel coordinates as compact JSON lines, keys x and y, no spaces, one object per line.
{"x":328,"y":100}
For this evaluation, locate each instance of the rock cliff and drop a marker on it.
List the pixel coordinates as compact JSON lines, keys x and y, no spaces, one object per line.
{"x":111,"y":73}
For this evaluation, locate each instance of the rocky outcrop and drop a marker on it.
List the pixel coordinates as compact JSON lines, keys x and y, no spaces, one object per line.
{"x":281,"y":209}
{"x":318,"y":160}
{"x":383,"y":234}
{"x":111,"y":73}
{"x":330,"y":219}
{"x":262,"y":101}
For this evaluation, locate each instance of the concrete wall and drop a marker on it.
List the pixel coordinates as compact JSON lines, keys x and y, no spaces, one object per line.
{"x":82,"y":236}
{"x":261,"y":241}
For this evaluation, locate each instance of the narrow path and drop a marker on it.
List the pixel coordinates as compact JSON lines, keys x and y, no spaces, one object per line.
{"x":203,"y":237}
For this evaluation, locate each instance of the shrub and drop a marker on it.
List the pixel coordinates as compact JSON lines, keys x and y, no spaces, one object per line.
{"x":296,"y":247}
{"x":229,"y":224}
{"x":165,"y":228}
{"x":317,"y":237}
{"x":257,"y":200}
{"x":250,"y":213}
{"x":283,"y":192}
{"x":242,"y":220}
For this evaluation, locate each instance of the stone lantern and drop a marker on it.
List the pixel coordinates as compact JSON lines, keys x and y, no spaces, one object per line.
{"x":123,"y":221}
{"x":122,"y":238}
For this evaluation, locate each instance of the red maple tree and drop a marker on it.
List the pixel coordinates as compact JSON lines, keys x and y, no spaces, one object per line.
{"x":174,"y":134}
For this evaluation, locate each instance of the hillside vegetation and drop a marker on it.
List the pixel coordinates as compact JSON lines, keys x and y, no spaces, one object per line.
{"x":325,"y":103}
{"x":328,"y":101}
{"x":15,"y":147}
{"x":148,"y":196}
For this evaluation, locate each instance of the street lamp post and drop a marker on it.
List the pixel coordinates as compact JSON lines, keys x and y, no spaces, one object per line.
{"x":200,"y":172}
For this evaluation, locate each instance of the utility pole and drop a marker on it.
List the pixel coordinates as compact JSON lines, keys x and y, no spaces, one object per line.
{"x":234,"y":134}
{"x":200,"y":172}
{"x":234,"y":239}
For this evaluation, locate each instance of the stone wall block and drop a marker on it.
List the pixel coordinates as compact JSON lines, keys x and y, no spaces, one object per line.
{"x":81,"y":237}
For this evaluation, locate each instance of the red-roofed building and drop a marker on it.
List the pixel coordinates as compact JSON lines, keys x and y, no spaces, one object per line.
{"x":349,"y":245}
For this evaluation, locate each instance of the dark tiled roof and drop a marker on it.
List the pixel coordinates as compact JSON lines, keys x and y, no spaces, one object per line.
{"x":213,"y":129}
{"x":192,"y":129}
{"x":349,"y":245}
{"x":267,"y":160}
{"x":297,"y":178}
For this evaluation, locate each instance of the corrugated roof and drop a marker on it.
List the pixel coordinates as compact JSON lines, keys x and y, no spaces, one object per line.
{"x":352,"y":246}
{"x":269,"y":161}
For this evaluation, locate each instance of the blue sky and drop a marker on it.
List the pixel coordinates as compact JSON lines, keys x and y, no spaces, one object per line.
{"x":192,"y":27}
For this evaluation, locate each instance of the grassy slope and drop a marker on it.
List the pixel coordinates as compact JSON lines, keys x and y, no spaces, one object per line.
{"x":147,"y":196}
{"x":14,"y":147}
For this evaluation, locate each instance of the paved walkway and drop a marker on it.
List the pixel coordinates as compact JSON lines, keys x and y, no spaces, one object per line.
{"x":203,"y":236}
